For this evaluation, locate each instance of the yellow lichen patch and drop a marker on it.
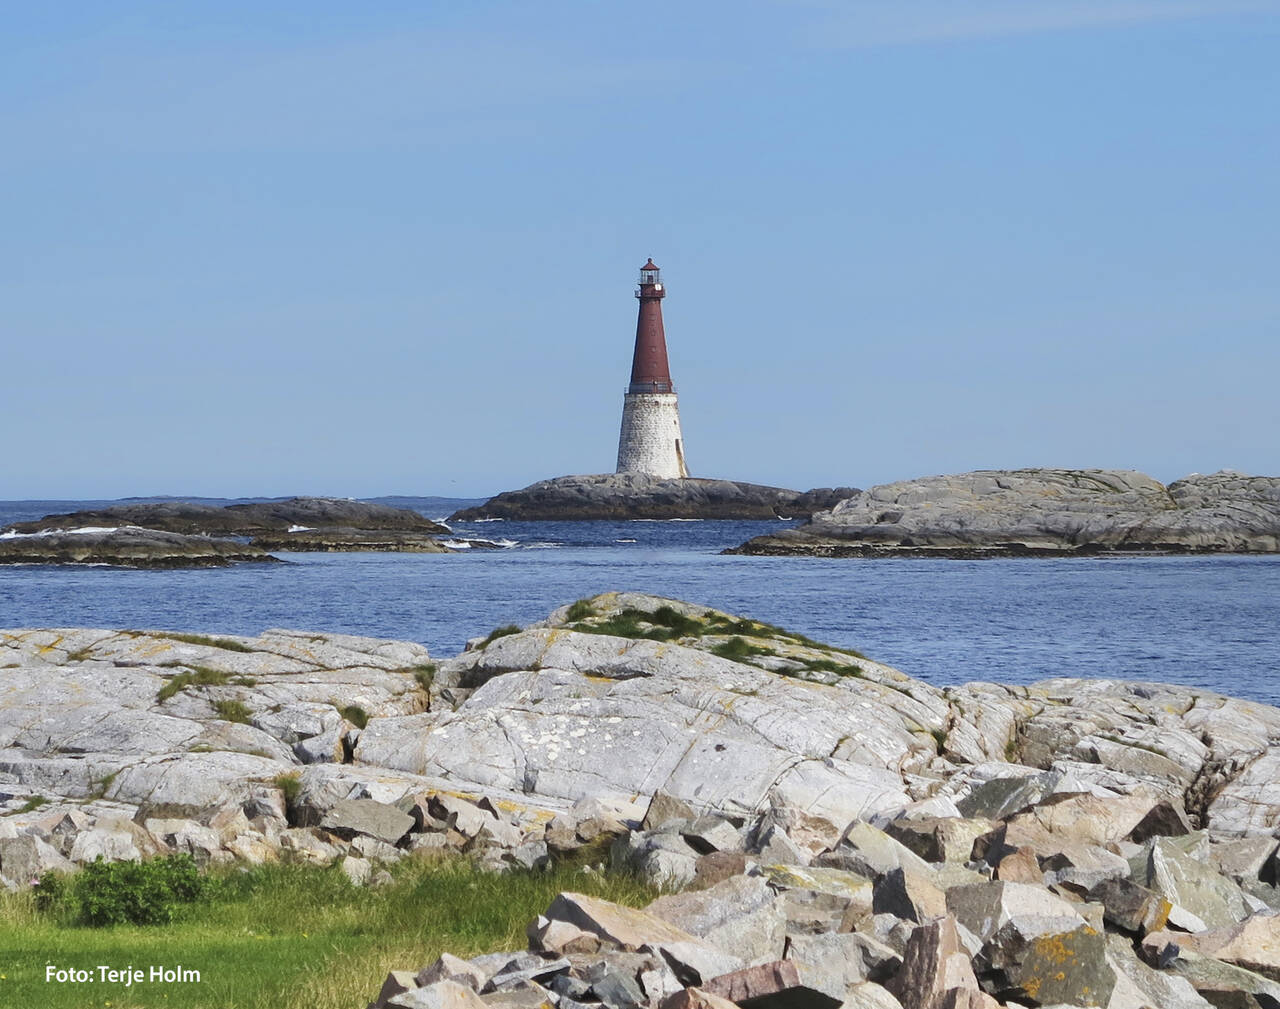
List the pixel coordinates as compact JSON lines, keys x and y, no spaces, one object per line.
{"x":1054,"y":948}
{"x":52,"y":646}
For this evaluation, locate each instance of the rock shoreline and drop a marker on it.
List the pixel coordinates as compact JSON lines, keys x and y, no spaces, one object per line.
{"x":834,"y":831}
{"x":1041,"y":513}
{"x":622,"y":496}
{"x":130,"y":547}
{"x":179,"y":534}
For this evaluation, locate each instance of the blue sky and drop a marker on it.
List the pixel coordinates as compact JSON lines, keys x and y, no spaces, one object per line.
{"x":389,"y":248}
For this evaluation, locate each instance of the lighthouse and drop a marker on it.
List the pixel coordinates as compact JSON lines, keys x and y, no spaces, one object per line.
{"x":650,"y":441}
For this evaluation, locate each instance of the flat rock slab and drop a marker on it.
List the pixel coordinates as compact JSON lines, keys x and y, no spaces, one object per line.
{"x":992,"y":513}
{"x":368,"y":817}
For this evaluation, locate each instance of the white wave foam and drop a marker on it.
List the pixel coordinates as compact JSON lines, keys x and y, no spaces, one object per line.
{"x":301,"y":529}
{"x":624,"y":541}
{"x":488,"y":520}
{"x":12,"y":534}
{"x":476,"y":541}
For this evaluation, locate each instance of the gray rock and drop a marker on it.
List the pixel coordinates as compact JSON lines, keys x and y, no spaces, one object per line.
{"x":740,"y":916}
{"x":24,"y":859}
{"x":357,"y":870}
{"x":782,"y":984}
{"x":128,"y":547}
{"x":350,"y":817}
{"x":638,"y":495}
{"x":855,"y":956}
{"x":934,"y":964}
{"x":1048,"y":961}
{"x":1130,"y":906}
{"x":397,"y":983}
{"x":1145,"y":986}
{"x":939,"y":838}
{"x":986,"y":908}
{"x":625,"y":927}
{"x":441,"y":995}
{"x":1201,"y":898}
{"x":451,"y":968}
{"x":1042,"y":511}
{"x":872,"y":853}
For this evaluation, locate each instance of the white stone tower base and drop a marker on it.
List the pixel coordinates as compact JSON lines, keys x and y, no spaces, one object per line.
{"x":650,"y":441}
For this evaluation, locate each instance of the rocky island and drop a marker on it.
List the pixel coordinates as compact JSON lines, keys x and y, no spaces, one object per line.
{"x":126,"y":546}
{"x":1041,"y":512}
{"x":833,"y":831}
{"x":643,"y":496}
{"x":185,"y":534}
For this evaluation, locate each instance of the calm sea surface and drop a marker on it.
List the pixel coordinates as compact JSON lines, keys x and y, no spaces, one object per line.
{"x":1208,"y":622}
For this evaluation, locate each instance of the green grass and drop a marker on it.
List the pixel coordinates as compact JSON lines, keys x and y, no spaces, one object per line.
{"x":201,"y":676}
{"x":355,"y":714}
{"x":425,"y":674}
{"x":35,"y":802}
{"x":738,"y":648}
{"x":232,"y":711}
{"x":226,"y":644}
{"x":580,"y":611}
{"x":829,"y":666}
{"x":666,"y":624}
{"x":499,"y":632}
{"x":291,"y":785}
{"x":289,"y":936}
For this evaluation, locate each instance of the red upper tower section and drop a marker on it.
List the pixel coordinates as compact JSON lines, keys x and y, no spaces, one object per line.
{"x":649,"y":369}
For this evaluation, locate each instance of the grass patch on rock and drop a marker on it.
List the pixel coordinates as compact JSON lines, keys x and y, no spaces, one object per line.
{"x":355,"y":714}
{"x":232,"y":711}
{"x":737,"y":648}
{"x":201,"y":676}
{"x":500,"y":632}
{"x":668,"y":624}
{"x":290,"y":936}
{"x":226,"y":644}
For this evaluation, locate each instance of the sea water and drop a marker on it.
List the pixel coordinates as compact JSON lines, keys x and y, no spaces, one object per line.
{"x":1202,"y":621}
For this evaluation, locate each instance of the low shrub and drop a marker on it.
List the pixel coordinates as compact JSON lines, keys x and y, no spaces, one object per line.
{"x":119,"y":893}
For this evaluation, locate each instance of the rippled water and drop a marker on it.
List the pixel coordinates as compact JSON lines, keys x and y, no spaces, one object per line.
{"x":1208,"y":622}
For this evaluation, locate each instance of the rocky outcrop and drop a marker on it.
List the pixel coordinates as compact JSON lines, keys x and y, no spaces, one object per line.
{"x":639,"y":496}
{"x":1042,"y":512}
{"x":831,"y":831}
{"x":347,"y":540}
{"x":255,"y":519}
{"x":181,"y":534}
{"x":126,"y":546}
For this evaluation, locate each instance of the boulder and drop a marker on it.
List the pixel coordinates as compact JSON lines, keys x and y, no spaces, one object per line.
{"x":855,"y":956}
{"x":935,"y":967}
{"x":25,"y":858}
{"x":624,"y":927}
{"x":451,"y":968}
{"x":696,"y":998}
{"x":379,"y":820}
{"x":1200,"y":897}
{"x":939,"y":838}
{"x":782,"y":984}
{"x":441,"y":995}
{"x":1048,"y":961}
{"x":741,"y":916}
